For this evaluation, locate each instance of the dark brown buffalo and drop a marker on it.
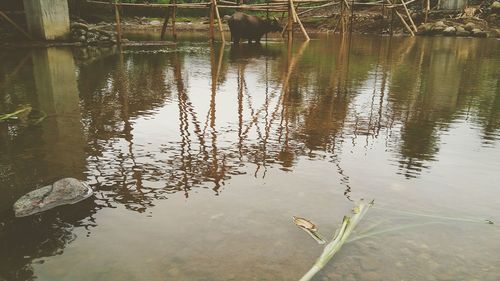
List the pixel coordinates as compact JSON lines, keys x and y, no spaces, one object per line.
{"x":250,"y":27}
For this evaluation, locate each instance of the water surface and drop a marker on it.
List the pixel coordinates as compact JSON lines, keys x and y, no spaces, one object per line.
{"x":200,"y":154}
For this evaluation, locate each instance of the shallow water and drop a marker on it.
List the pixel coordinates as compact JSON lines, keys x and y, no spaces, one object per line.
{"x":200,"y":154}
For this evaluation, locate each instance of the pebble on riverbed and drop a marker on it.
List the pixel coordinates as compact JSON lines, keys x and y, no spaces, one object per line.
{"x":62,"y":192}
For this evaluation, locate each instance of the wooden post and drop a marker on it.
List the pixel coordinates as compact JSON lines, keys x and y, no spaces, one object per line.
{"x":211,"y":20}
{"x":290,"y":21}
{"x":118,"y":25}
{"x":165,"y":24}
{"x":15,"y":25}
{"x":174,"y":10}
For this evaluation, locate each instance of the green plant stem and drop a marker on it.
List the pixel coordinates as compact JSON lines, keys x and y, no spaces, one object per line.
{"x":374,"y":233}
{"x":437,"y":216}
{"x":341,"y":236}
{"x":10,"y":115}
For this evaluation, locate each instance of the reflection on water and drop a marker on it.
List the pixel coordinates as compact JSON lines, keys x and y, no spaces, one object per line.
{"x":269,"y":130}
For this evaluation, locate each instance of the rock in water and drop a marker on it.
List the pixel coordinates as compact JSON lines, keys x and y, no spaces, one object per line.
{"x":495,"y":6}
{"x":62,"y":192}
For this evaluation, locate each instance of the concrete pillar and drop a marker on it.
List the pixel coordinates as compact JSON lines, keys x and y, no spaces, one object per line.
{"x":452,"y":4}
{"x":47,"y":19}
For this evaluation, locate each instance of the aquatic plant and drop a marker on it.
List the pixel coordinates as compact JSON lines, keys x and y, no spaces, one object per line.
{"x":12,"y":115}
{"x":341,"y":236}
{"x":350,"y":222}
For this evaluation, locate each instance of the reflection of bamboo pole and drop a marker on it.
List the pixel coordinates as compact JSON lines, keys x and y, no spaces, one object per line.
{"x":219,"y":21}
{"x":292,"y":61}
{"x":240,"y":110}
{"x":16,"y":69}
{"x":409,"y":16}
{"x":118,"y":26}
{"x":15,"y":25}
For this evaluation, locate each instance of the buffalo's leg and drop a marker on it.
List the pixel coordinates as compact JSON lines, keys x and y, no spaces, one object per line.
{"x":236,"y":40}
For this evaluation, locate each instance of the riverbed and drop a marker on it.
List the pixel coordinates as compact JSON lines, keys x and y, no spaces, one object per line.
{"x":200,"y":154}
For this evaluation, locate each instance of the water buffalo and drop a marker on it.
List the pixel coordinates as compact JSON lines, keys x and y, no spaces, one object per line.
{"x":243,"y":26}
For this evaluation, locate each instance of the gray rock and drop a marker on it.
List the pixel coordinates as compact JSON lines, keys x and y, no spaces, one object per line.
{"x":470,"y":26}
{"x":62,"y":192}
{"x":424,"y":28}
{"x":460,"y":31}
{"x":78,"y":25}
{"x":437,"y":29}
{"x":155,"y":22}
{"x":476,"y":32}
{"x":450,"y":31}
{"x":440,"y":23}
{"x":495,"y":32}
{"x":495,"y":6}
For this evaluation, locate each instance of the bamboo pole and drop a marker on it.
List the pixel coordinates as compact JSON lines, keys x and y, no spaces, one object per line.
{"x":118,"y":25}
{"x":20,"y":29}
{"x":317,"y":7}
{"x":187,"y":5}
{"x":211,"y":21}
{"x":402,"y":19}
{"x":165,"y":24}
{"x":252,"y":8}
{"x":219,"y":21}
{"x":405,"y":23}
{"x":174,"y":10}
{"x":427,"y":8}
{"x":297,"y":19}
{"x":391,"y":30}
{"x":409,"y":16}
{"x":290,"y":22}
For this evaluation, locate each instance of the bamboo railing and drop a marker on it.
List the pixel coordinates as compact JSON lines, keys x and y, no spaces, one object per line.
{"x":291,"y":7}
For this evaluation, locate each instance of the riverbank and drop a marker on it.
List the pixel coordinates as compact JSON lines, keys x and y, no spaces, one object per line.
{"x":475,"y":21}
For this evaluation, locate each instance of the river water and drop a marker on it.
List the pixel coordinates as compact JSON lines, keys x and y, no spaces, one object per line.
{"x":200,"y":154}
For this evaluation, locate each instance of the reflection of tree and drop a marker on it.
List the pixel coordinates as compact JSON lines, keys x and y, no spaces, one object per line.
{"x":428,"y":97}
{"x":305,"y":100}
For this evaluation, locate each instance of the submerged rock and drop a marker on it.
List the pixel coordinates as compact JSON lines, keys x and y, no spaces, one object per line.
{"x":62,"y":192}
